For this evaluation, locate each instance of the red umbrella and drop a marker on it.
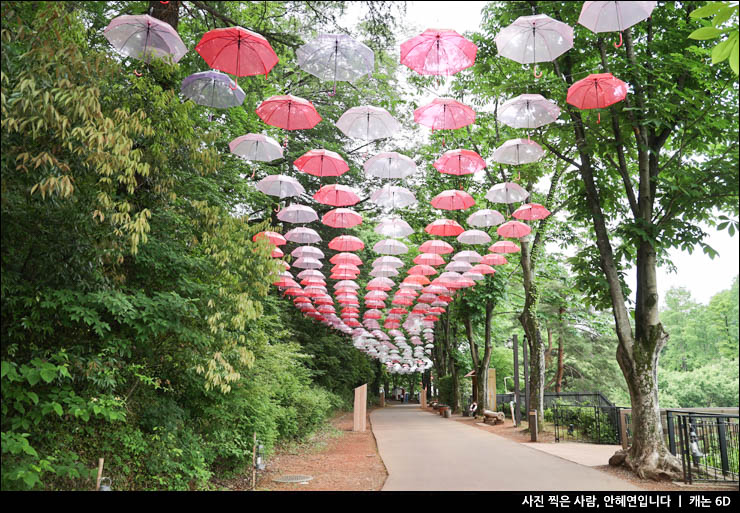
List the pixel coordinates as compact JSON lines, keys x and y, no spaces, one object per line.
{"x":346,"y":258}
{"x":402,"y":301}
{"x":530,"y":212}
{"x":444,"y":228}
{"x":321,"y":163}
{"x":438,"y":247}
{"x":274,"y":238}
{"x":341,"y":218}
{"x":459,"y":162}
{"x":343,"y":276}
{"x":513,"y":230}
{"x":342,"y":268}
{"x":438,"y":52}
{"x":429,"y":259}
{"x":417,"y":279}
{"x":597,"y":91}
{"x":453,"y":200}
{"x":346,"y":243}
{"x":288,"y":112}
{"x":444,"y":113}
{"x":504,"y":246}
{"x":424,"y":270}
{"x":238,"y":51}
{"x":277,"y":253}
{"x":494,"y":259}
{"x":483,"y":269}
{"x":284,"y":281}
{"x":336,"y":195}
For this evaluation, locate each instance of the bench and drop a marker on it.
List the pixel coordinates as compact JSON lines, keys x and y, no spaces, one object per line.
{"x":496,"y":417}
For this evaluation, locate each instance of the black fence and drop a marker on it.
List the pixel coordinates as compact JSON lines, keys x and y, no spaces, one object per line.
{"x":551,"y":398}
{"x":585,"y":423}
{"x":708,"y":444}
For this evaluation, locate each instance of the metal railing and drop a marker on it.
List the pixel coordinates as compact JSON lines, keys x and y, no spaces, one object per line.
{"x":583,"y":423}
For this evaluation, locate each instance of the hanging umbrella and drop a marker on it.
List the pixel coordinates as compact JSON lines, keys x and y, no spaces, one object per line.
{"x":472,"y":275}
{"x":307,"y":251}
{"x":336,"y":195}
{"x":467,"y":256}
{"x":528,"y":111}
{"x":308,"y":263}
{"x":394,"y":226}
{"x":494,"y":259}
{"x":373,"y":314}
{"x":458,"y":266}
{"x":336,"y":57}
{"x":274,"y":238}
{"x":368,"y":123}
{"x":346,"y":284}
{"x":532,"y":39}
{"x":143,"y":37}
{"x":483,"y":269}
{"x":513,"y":230}
{"x":311,"y":274}
{"x":429,"y":259}
{"x":485,"y":218}
{"x":390,"y":247}
{"x":438,"y":52}
{"x":474,"y":237}
{"x":453,"y":200}
{"x":444,"y":228}
{"x":346,"y":243}
{"x":341,"y":218}
{"x":303,"y":235}
{"x":596,"y":91}
{"x":284,"y":281}
{"x":444,"y":113}
{"x":614,"y":16}
{"x":393,"y":196}
{"x":321,"y":163}
{"x":382,"y":284}
{"x":288,"y":112}
{"x":297,"y":214}
{"x":376,"y":294}
{"x":506,"y":192}
{"x":346,"y":258}
{"x":389,"y":261}
{"x":390,"y":165}
{"x":416,"y":280}
{"x":277,"y":253}
{"x":212,"y":89}
{"x":385,"y":271}
{"x":438,"y":247}
{"x":345,"y":268}
{"x":459,"y":162}
{"x":313,"y":282}
{"x":424,"y":270}
{"x":530,"y":212}
{"x":518,"y":151}
{"x":281,"y":186}
{"x":237,"y":51}
{"x":504,"y":246}
{"x":256,"y":147}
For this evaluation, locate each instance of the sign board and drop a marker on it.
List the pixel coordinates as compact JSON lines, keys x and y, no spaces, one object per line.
{"x":360,"y":410}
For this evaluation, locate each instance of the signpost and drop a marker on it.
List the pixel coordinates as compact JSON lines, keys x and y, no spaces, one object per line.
{"x":360,"y":408}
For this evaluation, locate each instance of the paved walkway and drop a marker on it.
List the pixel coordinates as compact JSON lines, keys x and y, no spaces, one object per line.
{"x":591,"y":455}
{"x":422,"y":451}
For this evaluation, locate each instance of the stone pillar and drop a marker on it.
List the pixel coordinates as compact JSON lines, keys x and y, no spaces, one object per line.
{"x":360,"y":408}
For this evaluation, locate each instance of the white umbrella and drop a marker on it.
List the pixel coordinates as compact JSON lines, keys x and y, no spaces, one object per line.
{"x":473,"y":276}
{"x":377,"y":294}
{"x":307,"y":251}
{"x":614,"y":16}
{"x":310,"y":273}
{"x":507,"y":192}
{"x":485,"y":218}
{"x":390,"y":247}
{"x":303,"y":236}
{"x":528,"y":111}
{"x":537,"y":38}
{"x":307,"y":263}
{"x":468,"y":256}
{"x":367,"y":122}
{"x":393,"y":196}
{"x":384,"y":271}
{"x":391,"y":165}
{"x":471,"y":237}
{"x":384,"y":282}
{"x":458,"y":266}
{"x":256,"y":147}
{"x":336,"y":57}
{"x":394,"y":226}
{"x":297,"y":214}
{"x":518,"y":151}
{"x":281,"y":186}
{"x":349,"y":284}
{"x":389,"y":261}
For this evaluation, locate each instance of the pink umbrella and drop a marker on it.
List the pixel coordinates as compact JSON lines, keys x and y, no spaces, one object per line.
{"x":346,"y":258}
{"x":532,"y":39}
{"x":485,"y":217}
{"x":321,"y":163}
{"x":424,"y":270}
{"x":336,"y":195}
{"x":444,"y":113}
{"x":297,"y":214}
{"x":341,"y":218}
{"x":436,"y":246}
{"x":346,"y":284}
{"x":503,"y":246}
{"x":494,"y":259}
{"x":238,"y":51}
{"x":459,"y":162}
{"x":274,"y":238}
{"x":474,"y":237}
{"x":518,"y":151}
{"x":513,"y":230}
{"x":376,"y":294}
{"x":385,"y":271}
{"x":311,"y":274}
{"x":308,"y":263}
{"x":438,"y":52}
{"x":483,"y":269}
{"x":346,"y":243}
{"x":142,"y":36}
{"x":453,"y":200}
{"x":531,"y":212}
{"x":444,"y":228}
{"x":429,"y":259}
{"x":288,"y":112}
{"x":383,"y":284}
{"x":341,"y":268}
{"x":596,"y":91}
{"x":303,"y":236}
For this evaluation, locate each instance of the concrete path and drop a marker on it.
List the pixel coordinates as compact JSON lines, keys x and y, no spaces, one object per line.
{"x":591,"y":455}
{"x":423,"y":451}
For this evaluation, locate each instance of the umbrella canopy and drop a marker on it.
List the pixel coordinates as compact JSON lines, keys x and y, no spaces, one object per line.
{"x":297,"y":214}
{"x":256,"y":147}
{"x":468,"y":256}
{"x":321,"y":163}
{"x":336,"y":57}
{"x":506,"y":192}
{"x":383,"y":284}
{"x":390,"y":247}
{"x":307,"y":251}
{"x":368,"y":123}
{"x":303,"y":236}
{"x":444,"y":114}
{"x":438,"y":247}
{"x":311,"y":274}
{"x":444,"y":228}
{"x":346,"y":243}
{"x":143,"y":37}
{"x":346,"y":258}
{"x":308,"y":263}
{"x":459,"y":266}
{"x":288,"y":112}
{"x":393,"y":226}
{"x":474,"y":237}
{"x":389,"y":261}
{"x":453,"y":200}
{"x":429,"y":259}
{"x":424,"y":270}
{"x":237,"y":51}
{"x":277,"y":253}
{"x":614,"y":16}
{"x":281,"y":186}
{"x":212,"y":89}
{"x":274,"y":238}
{"x":494,"y":259}
{"x":528,"y":111}
{"x":512,"y":230}
{"x":438,"y":52}
{"x":485,"y":218}
{"x":390,"y":165}
{"x":530,"y":212}
{"x":483,"y":269}
{"x":518,"y":151}
{"x":459,"y":162}
{"x":377,"y":294}
{"x":384,"y":271}
{"x":345,"y":268}
{"x":393,"y":196}
{"x":341,"y":218}
{"x":503,"y":246}
{"x":597,"y":91}
{"x":537,"y":38}
{"x":336,"y":195}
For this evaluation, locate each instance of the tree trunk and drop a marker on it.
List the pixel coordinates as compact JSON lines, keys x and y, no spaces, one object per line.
{"x":530,"y":323}
{"x":453,"y":372}
{"x":480,"y":365}
{"x":169,"y":12}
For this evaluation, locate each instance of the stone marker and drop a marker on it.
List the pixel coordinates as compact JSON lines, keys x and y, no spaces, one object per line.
{"x":360,"y":408}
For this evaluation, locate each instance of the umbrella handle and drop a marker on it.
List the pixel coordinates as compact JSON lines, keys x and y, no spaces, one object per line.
{"x":253,"y":172}
{"x":137,"y":73}
{"x":236,"y":86}
{"x":620,"y":41}
{"x":598,"y":120}
{"x":534,"y":72}
{"x":163,"y":3}
{"x":278,"y":208}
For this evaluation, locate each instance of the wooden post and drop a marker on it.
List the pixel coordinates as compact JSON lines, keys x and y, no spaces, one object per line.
{"x":491,"y":389}
{"x":533,"y":425}
{"x":360,"y":408}
{"x":517,"y":413}
{"x":423,"y":397}
{"x":100,"y":473}
{"x":254,"y":462}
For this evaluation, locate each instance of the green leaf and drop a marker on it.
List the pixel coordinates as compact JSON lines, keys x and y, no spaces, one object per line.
{"x":57,"y":408}
{"x":705,"y":33}
{"x":722,"y":50}
{"x":4,"y":368}
{"x":734,"y":57}
{"x":48,"y":374}
{"x":707,"y":10}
